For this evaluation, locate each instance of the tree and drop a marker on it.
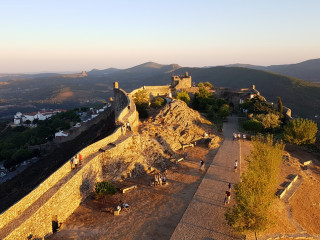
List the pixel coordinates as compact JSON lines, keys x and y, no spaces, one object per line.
{"x":300,"y":131}
{"x":252,"y":125}
{"x":269,"y":121}
{"x":103,"y":189}
{"x":141,"y":97}
{"x":205,"y":85}
{"x":256,"y":191}
{"x":184,"y":96}
{"x":224,"y":111}
{"x":158,"y":102}
{"x":280,"y":107}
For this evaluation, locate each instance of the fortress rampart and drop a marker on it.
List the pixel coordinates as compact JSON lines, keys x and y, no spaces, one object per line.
{"x":154,"y":91}
{"x":55,"y":199}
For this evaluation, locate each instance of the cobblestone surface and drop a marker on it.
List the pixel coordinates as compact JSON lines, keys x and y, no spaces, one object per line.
{"x":204,"y":217}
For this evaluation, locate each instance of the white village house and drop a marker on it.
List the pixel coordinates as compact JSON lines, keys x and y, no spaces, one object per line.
{"x":61,"y":134}
{"x":44,"y":114}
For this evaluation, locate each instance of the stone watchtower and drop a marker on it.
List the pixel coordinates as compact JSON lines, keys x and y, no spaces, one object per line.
{"x":181,"y":81}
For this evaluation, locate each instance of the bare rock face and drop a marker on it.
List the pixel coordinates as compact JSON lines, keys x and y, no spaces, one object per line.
{"x":159,"y":139}
{"x":177,"y":125}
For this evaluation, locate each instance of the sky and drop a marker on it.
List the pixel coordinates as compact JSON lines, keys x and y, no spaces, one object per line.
{"x":69,"y":35}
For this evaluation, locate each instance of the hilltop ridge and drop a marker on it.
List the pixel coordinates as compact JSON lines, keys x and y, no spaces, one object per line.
{"x":308,"y":70}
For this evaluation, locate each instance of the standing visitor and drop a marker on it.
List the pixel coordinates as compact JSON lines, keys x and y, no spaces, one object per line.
{"x":75,"y":161}
{"x":228,"y":195}
{"x":236,"y":165}
{"x":80,"y":159}
{"x":201,"y":164}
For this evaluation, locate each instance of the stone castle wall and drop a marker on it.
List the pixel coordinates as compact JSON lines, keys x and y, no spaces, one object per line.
{"x":60,"y":194}
{"x":154,"y":91}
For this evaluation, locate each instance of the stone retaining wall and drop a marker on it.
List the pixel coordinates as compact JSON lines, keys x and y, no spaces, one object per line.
{"x":154,"y":91}
{"x":66,"y":198}
{"x":60,"y":194}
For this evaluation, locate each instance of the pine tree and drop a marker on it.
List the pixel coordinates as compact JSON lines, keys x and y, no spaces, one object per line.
{"x":280,"y":107}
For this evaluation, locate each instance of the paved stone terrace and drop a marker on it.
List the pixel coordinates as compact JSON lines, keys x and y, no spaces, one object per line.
{"x":204,"y":218}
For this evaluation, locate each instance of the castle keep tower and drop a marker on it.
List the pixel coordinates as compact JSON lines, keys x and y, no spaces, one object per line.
{"x":181,"y":81}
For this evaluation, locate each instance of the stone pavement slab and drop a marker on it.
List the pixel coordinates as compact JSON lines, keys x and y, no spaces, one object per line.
{"x":204,"y":218}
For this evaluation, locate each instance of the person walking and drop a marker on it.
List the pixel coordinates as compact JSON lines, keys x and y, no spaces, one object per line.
{"x":201,"y":164}
{"x":244,"y":137}
{"x":227,"y":197}
{"x":236,"y":165}
{"x":80,"y":158}
{"x":229,"y":187}
{"x":75,"y":161}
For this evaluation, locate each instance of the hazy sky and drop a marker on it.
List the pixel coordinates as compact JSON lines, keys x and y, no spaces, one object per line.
{"x":68,"y":35}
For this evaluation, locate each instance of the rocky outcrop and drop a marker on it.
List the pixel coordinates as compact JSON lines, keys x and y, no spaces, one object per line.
{"x":177,"y":125}
{"x":160,"y":140}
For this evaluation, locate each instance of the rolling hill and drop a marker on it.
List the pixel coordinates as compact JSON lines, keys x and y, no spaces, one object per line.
{"x":59,"y":91}
{"x":308,"y":70}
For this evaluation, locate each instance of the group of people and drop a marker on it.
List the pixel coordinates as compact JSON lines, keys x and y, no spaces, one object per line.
{"x":121,"y":206}
{"x":125,"y":127}
{"x":227,"y":196}
{"x":76,"y":160}
{"x":159,"y":179}
{"x":237,"y":136}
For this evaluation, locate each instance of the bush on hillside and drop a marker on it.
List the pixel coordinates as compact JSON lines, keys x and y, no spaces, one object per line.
{"x":224,"y":111}
{"x":269,"y":121}
{"x":141,"y":97}
{"x":253,"y":126}
{"x":300,"y":131}
{"x":158,"y":102}
{"x":184,"y":96}
{"x":105,"y":188}
{"x":142,"y":110}
{"x":205,"y":85}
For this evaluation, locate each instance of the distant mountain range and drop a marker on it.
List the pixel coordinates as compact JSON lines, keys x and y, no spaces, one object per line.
{"x":66,"y":91}
{"x":308,"y":70}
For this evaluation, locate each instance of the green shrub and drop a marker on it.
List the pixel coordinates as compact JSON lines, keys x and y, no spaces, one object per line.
{"x":252,"y":125}
{"x":142,"y":110}
{"x":184,"y":96}
{"x":141,"y":97}
{"x":269,"y":121}
{"x":300,"y":131}
{"x":158,"y":102}
{"x":224,"y":111}
{"x":105,"y":188}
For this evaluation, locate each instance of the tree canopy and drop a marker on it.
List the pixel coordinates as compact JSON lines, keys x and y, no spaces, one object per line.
{"x":300,"y":131}
{"x":257,"y":189}
{"x":184,"y":96}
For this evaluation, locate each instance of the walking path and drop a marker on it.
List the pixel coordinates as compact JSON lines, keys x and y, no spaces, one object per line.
{"x":204,"y":218}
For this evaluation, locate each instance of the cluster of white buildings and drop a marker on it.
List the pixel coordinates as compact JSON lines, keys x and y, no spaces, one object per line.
{"x":21,"y":118}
